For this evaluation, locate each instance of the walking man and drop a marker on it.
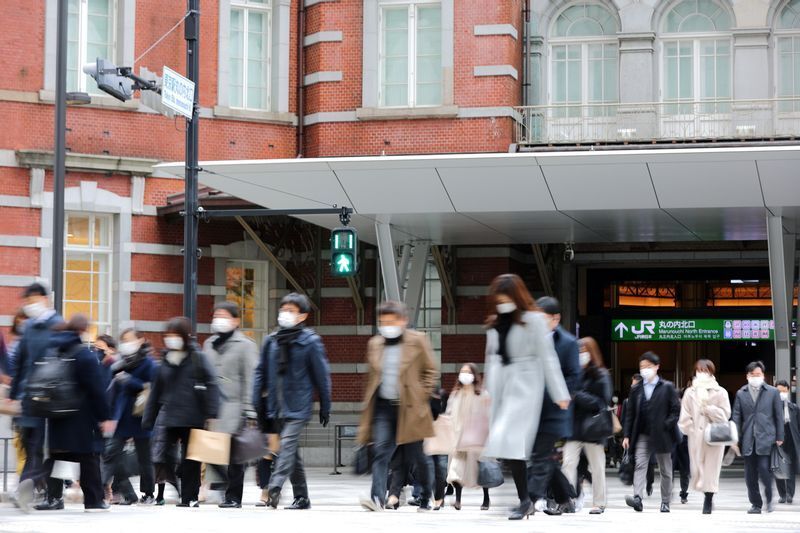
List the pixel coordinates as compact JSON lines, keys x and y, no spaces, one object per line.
{"x":791,"y":443}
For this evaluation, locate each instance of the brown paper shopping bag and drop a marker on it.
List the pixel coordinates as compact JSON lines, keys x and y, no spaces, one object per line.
{"x":209,"y":447}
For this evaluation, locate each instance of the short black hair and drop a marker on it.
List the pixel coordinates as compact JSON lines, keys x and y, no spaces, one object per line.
{"x":392,"y":307}
{"x":549,"y":305}
{"x":181,"y":326}
{"x":108,"y":339}
{"x":299,"y":300}
{"x":229,"y":307}
{"x":755,"y":364}
{"x":650,"y":356}
{"x":34,"y":289}
{"x":782,"y":383}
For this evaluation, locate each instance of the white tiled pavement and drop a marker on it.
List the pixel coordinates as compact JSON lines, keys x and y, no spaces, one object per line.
{"x":335,"y":508}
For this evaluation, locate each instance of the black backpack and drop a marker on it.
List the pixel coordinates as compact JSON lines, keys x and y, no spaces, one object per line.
{"x":52,"y":390}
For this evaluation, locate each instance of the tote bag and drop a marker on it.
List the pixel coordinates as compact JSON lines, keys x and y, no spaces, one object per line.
{"x":443,"y":441}
{"x":209,"y":447}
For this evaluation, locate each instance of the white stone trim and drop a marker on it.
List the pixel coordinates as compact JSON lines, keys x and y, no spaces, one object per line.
{"x":156,"y":287}
{"x":14,"y":201}
{"x":37,"y":187}
{"x":489,"y":112}
{"x":496,"y":70}
{"x":8,"y":158}
{"x":157,"y":326}
{"x":252,"y":115}
{"x":137,"y":194}
{"x":19,"y":241}
{"x":322,"y":76}
{"x":334,"y":331}
{"x":395,"y":113}
{"x":309,"y":3}
{"x":331,"y":36}
{"x":151,"y":249}
{"x":6,"y":320}
{"x":463,"y":329}
{"x":496,"y":29}
{"x":17,"y":281}
{"x":334,"y":116}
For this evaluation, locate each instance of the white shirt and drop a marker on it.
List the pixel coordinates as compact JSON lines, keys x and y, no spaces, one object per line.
{"x":650,"y":387}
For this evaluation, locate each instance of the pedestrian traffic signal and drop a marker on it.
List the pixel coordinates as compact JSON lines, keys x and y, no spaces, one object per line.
{"x":344,"y":252}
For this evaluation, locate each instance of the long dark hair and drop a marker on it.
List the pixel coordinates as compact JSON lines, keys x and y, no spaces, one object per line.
{"x":475,"y":384}
{"x":588,"y":344}
{"x":512,"y":286}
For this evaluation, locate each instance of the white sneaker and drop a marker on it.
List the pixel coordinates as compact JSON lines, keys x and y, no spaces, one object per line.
{"x":540,"y":505}
{"x":24,"y":496}
{"x":371,"y":504}
{"x":579,"y":502}
{"x":403,"y":497}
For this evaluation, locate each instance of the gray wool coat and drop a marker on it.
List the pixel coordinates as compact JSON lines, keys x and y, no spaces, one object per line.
{"x":235,"y":364}
{"x":760,"y":424}
{"x":517,"y":389}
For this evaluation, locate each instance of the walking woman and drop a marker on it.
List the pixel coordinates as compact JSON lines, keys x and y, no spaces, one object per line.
{"x":468,"y":408}
{"x":131,"y":376}
{"x":592,"y":398}
{"x":704,"y":403}
{"x":185,"y":388}
{"x":520,"y":362}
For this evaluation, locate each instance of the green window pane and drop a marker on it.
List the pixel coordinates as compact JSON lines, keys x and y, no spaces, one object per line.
{"x":429,"y":17}
{"x":395,"y":70}
{"x":99,"y":7}
{"x":686,"y":78}
{"x":574,"y":83}
{"x":429,"y":41}
{"x":395,"y":95}
{"x":429,"y":69}
{"x":723,"y":77}
{"x":585,"y":27}
{"x":559,"y":53}
{"x":395,"y":18}
{"x":671,"y":78}
{"x":395,"y":43}
{"x":429,"y":94}
{"x":611,"y":79}
{"x":256,"y":35}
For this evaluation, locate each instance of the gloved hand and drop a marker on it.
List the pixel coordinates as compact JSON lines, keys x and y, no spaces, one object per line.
{"x":324,"y":418}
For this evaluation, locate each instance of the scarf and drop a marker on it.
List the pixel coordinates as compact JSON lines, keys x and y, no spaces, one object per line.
{"x":175,"y":358}
{"x":504,"y":323}
{"x":703,"y":383}
{"x":221,"y":339}
{"x":284,"y":337}
{"x":129,"y":362}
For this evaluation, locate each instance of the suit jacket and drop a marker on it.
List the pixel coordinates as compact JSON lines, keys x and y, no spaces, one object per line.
{"x":555,"y":420}
{"x":794,"y":429}
{"x":663,"y":412}
{"x":760,"y":423}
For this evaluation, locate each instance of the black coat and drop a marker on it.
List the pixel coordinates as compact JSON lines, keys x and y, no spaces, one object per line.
{"x":173,"y":393}
{"x":554,"y":420}
{"x":593,"y":396}
{"x":794,"y":429}
{"x":664,"y":409}
{"x":80,"y":433}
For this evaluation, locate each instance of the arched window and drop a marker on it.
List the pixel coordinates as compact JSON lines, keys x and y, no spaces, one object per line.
{"x":787,"y":33}
{"x":697,"y":55}
{"x":584,"y":57}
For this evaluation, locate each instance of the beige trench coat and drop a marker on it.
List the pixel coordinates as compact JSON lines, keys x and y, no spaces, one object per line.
{"x":417,"y":378}
{"x":705,"y":462}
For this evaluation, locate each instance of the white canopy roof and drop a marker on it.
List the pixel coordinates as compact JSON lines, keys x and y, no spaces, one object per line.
{"x":621,"y":195}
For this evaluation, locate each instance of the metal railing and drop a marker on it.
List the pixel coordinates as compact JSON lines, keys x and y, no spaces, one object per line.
{"x":658,"y":121}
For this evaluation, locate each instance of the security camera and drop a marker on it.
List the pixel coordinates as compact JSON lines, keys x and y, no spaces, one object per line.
{"x":569,"y":253}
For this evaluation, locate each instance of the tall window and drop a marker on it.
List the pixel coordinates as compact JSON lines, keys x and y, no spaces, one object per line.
{"x":430,"y":312}
{"x":87,"y":273}
{"x":697,"y":60}
{"x":249,"y":54}
{"x":90,"y":34}
{"x":246,"y":286}
{"x":584,"y":58}
{"x":411,"y":54}
{"x":788,"y":52}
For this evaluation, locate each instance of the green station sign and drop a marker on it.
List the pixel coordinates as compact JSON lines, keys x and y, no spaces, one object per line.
{"x":693,"y":329}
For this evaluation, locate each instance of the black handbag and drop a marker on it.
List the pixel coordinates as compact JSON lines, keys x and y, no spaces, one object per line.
{"x":248,"y":445}
{"x":362,"y":460}
{"x":52,"y":389}
{"x":596,"y":428}
{"x":490,"y":474}
{"x":626,"y":467}
{"x":779,"y":463}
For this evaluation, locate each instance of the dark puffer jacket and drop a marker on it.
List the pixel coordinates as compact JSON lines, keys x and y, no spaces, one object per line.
{"x":593,"y":396}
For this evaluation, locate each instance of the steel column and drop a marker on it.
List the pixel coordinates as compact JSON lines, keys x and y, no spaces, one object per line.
{"x":388,"y":261}
{"x":781,"y":248}
{"x":416,"y":280}
{"x":59,"y":165}
{"x":402,"y":270}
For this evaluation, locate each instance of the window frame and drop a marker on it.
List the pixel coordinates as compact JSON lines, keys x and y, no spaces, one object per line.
{"x":83,"y":43}
{"x":262,"y":322}
{"x":412,"y":7}
{"x":792,"y":34}
{"x":425,"y":310}
{"x":245,"y":7}
{"x":107,"y":251}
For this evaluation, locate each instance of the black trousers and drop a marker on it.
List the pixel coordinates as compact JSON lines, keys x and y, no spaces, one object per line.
{"x":235,"y":487}
{"x":264,"y":472}
{"x":756,"y":467}
{"x":543,"y":465}
{"x":33,"y":442}
{"x":786,"y":486}
{"x":190,"y":470}
{"x":114,"y":467}
{"x":91,"y":484}
{"x":680,"y":461}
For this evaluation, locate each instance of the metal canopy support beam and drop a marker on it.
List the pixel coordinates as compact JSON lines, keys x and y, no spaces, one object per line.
{"x":388,"y":261}
{"x":541,"y":267}
{"x":402,"y":271}
{"x":781,"y":274}
{"x":274,"y":260}
{"x":416,"y":280}
{"x":447,"y":284}
{"x":357,"y":300}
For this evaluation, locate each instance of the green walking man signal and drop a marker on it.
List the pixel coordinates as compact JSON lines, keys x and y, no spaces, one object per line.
{"x":344,"y":252}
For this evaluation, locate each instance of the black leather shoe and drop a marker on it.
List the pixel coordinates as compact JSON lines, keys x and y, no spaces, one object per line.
{"x":525,"y":510}
{"x":635,"y":502}
{"x":230,"y":504}
{"x":754,"y":510}
{"x":650,"y":490}
{"x":101,"y":507}
{"x":781,"y":500}
{"x":789,"y":499}
{"x":50,"y":504}
{"x":413,"y":502}
{"x":664,"y":507}
{"x":274,"y":498}
{"x":684,"y":498}
{"x":299,"y":504}
{"x":424,"y":505}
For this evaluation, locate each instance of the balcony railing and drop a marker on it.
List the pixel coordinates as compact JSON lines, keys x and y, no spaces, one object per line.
{"x":706,"y":120}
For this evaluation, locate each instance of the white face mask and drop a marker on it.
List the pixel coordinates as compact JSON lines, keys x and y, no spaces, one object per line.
{"x":390,"y":332}
{"x":615,"y":399}
{"x":647,"y":373}
{"x":287,"y":319}
{"x":128,"y":348}
{"x":585,"y":358}
{"x":701,"y":375}
{"x":756,"y":381}
{"x":222,"y":325}
{"x":34,"y":310}
{"x":506,"y":308}
{"x":785,"y":396}
{"x":173,"y":343}
{"x":466,"y":378}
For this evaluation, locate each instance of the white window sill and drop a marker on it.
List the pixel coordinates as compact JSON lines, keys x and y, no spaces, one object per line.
{"x":98,"y":100}
{"x":402,"y":113}
{"x":255,"y":116}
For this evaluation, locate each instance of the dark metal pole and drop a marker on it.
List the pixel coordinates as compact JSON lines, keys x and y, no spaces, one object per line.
{"x":59,"y":155}
{"x":190,"y":222}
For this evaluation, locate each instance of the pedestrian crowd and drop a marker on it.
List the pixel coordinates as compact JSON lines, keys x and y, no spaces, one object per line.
{"x":95,"y":412}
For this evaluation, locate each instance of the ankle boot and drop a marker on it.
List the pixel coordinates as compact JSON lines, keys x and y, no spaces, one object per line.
{"x":707,"y":504}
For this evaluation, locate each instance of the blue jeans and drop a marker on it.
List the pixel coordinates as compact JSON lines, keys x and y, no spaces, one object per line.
{"x":437,"y":470}
{"x":289,"y":464}
{"x":384,"y":437}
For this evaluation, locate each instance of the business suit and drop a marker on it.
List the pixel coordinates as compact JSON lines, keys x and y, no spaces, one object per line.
{"x":791,"y":445}
{"x":760,"y":425}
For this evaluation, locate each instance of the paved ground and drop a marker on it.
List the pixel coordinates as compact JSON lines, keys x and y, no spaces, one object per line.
{"x":335,"y":508}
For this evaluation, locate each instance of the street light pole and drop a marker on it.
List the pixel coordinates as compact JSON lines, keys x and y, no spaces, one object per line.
{"x":190,"y":221}
{"x":57,"y":276}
